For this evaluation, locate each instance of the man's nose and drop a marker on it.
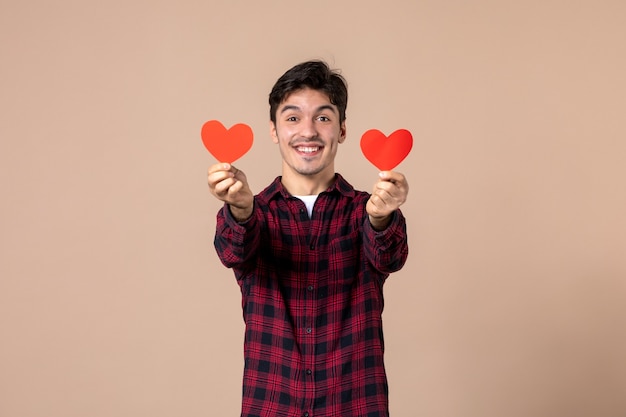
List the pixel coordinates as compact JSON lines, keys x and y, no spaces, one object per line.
{"x":308,"y":129}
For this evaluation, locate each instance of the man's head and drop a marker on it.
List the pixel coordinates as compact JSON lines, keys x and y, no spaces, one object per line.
{"x":315,"y":75}
{"x":307,"y":112}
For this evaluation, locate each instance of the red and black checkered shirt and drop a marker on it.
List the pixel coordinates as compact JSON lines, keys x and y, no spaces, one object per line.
{"x":312,"y":298}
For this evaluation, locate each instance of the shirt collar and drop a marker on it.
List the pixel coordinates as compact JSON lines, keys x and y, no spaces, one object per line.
{"x":339,"y":185}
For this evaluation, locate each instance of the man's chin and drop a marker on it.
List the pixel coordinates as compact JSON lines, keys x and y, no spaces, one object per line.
{"x":308,"y":173}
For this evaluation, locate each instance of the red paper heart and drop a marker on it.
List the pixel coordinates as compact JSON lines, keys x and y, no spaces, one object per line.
{"x":386,"y":152}
{"x":226,"y":145}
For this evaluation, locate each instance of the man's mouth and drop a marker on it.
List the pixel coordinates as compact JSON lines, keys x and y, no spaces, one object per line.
{"x":308,"y":150}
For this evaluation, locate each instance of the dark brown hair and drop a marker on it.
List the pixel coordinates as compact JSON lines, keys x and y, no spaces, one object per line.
{"x":315,"y":75}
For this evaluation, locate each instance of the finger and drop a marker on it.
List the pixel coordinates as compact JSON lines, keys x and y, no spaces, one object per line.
{"x":235,"y":188}
{"x":380,"y":201}
{"x":219,"y":167}
{"x":217,"y":177}
{"x":389,"y":176}
{"x":397,"y":190}
{"x":387,"y":186}
{"x":376,"y":208}
{"x":389,"y":191}
{"x":218,"y":172}
{"x":393,"y":177}
{"x":386,"y":196}
{"x":222,"y":188}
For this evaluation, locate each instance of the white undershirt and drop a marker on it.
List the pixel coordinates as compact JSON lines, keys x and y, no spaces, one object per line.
{"x":309,"y":202}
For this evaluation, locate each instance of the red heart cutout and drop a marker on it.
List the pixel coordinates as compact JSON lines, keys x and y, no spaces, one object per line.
{"x":386,"y":152}
{"x":226,"y":145}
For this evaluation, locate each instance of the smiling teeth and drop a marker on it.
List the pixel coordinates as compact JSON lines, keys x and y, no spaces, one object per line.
{"x":308,"y":149}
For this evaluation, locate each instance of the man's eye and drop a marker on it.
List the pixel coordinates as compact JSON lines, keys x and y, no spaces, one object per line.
{"x":323,"y":119}
{"x":292,"y":119}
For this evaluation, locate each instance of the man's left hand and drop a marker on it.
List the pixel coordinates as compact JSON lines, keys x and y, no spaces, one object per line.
{"x":389,"y":194}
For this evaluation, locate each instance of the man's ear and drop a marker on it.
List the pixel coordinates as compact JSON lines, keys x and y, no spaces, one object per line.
{"x":342,"y":131}
{"x":273,"y":132}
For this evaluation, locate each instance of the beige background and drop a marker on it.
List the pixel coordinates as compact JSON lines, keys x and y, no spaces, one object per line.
{"x":513,"y":301}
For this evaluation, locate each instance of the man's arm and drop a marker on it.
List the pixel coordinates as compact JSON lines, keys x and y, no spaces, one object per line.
{"x":386,"y":250}
{"x":237,"y":235}
{"x":388,"y":195}
{"x":385,"y":241}
{"x":230,"y":185}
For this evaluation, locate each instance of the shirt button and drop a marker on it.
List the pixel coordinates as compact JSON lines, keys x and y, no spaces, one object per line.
{"x":309,"y":372}
{"x":310,"y":288}
{"x":309,"y":330}
{"x":306,"y":414}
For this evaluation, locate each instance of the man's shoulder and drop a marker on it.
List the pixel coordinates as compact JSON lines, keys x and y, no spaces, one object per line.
{"x":272,"y":190}
{"x":344,"y":188}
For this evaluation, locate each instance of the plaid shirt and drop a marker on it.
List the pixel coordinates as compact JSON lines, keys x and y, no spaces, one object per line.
{"x":312,"y":302}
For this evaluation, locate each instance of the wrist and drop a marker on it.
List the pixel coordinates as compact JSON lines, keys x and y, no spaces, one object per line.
{"x":240,"y":214}
{"x":380,"y":223}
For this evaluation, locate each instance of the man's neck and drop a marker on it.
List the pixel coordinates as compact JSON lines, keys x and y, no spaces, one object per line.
{"x":297,"y":184}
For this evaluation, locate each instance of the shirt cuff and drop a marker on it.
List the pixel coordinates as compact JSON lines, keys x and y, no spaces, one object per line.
{"x":240,"y":229}
{"x":393,"y":223}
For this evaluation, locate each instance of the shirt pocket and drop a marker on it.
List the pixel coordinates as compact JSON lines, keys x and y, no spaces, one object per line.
{"x":345,"y":259}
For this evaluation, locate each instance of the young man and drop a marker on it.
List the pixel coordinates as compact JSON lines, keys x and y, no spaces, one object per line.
{"x":311,"y":255}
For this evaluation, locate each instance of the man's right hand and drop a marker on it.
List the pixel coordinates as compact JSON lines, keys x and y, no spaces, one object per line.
{"x":230,"y":185}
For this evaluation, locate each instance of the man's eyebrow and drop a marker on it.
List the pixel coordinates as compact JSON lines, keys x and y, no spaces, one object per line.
{"x":327,"y":107}
{"x":289,"y":107}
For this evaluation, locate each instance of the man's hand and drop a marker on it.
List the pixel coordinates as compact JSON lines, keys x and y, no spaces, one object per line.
{"x":230,"y":185}
{"x":389,"y":194}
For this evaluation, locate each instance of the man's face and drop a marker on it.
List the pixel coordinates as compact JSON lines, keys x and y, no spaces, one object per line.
{"x":308,"y":132}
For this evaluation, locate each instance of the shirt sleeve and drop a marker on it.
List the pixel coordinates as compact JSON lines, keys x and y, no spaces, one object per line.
{"x":387,"y":250}
{"x":236,"y":243}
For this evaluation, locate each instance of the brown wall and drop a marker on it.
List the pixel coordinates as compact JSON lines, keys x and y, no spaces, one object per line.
{"x":513,"y":301}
